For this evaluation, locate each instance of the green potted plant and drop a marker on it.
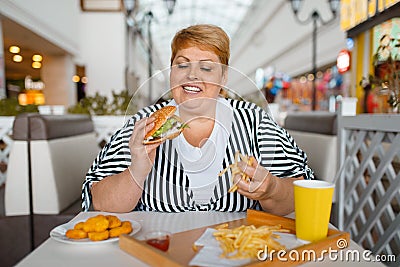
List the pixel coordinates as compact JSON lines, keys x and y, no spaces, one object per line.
{"x":120,"y":104}
{"x":11,"y":107}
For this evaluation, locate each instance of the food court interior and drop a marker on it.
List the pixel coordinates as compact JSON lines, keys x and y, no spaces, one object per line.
{"x":305,"y":61}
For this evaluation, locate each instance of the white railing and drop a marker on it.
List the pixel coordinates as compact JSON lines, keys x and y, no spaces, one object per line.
{"x":104,"y":126}
{"x":369,"y":187}
{"x":6,"y":124}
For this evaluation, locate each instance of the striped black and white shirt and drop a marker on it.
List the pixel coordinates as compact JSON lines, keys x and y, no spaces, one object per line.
{"x":167,"y":189}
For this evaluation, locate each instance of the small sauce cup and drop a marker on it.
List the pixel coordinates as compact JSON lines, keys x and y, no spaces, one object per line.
{"x":158,"y":239}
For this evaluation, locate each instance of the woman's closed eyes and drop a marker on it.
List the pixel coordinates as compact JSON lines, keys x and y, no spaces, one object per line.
{"x":204,"y":67}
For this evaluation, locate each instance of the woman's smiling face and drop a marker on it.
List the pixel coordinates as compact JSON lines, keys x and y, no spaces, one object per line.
{"x":196,"y":73}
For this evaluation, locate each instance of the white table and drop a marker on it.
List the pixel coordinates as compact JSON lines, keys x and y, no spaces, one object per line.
{"x":54,"y":253}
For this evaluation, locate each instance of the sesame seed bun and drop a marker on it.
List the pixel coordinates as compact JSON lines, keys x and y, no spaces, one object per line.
{"x":161,"y":116}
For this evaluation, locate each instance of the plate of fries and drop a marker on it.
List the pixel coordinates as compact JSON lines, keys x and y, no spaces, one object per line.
{"x":245,"y":241}
{"x":238,"y":245}
{"x":236,"y":170}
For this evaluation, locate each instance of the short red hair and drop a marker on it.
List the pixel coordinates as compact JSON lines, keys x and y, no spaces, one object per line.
{"x":205,"y":36}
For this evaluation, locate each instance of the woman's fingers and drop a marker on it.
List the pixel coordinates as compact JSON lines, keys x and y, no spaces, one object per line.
{"x":240,"y":179}
{"x":142,"y":157}
{"x":246,"y":168}
{"x":149,"y":124}
{"x":142,"y":127}
{"x":257,"y":186}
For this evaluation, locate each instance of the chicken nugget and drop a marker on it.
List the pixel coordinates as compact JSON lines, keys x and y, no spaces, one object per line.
{"x":113,"y":221}
{"x":97,"y":223}
{"x":76,"y":234}
{"x":99,"y":236}
{"x":125,"y":228}
{"x":79,"y":226}
{"x":126,"y":225}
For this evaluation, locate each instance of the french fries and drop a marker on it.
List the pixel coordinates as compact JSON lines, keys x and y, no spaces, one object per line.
{"x":245,"y":241}
{"x":236,"y":170}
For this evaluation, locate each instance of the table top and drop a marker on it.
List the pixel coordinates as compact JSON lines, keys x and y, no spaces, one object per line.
{"x":55,"y":253}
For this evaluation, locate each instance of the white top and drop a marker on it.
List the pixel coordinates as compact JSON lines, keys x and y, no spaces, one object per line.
{"x":202,"y":164}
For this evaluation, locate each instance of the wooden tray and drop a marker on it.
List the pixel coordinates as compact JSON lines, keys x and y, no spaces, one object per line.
{"x":181,"y":250}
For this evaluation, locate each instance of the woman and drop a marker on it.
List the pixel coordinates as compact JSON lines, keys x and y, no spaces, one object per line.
{"x":183,"y":174}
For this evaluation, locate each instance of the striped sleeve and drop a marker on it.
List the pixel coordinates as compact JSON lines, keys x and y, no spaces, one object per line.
{"x":115,"y":156}
{"x":279,"y":152}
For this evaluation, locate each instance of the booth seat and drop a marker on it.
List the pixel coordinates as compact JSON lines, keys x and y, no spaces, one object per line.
{"x":62,"y":149}
{"x":316,"y":134}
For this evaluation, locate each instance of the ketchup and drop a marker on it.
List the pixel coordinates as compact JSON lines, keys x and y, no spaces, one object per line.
{"x":161,"y":243}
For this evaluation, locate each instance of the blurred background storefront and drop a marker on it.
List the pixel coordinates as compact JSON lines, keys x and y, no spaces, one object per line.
{"x":58,"y":54}
{"x":90,"y":46}
{"x":374,"y":26}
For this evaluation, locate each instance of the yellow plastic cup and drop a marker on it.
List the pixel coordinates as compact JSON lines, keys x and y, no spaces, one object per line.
{"x":313,"y":202}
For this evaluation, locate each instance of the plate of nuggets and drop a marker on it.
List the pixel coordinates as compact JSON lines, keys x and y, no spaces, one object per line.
{"x":94,"y":230}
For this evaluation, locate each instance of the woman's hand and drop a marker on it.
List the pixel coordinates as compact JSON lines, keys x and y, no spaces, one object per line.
{"x":274,"y":194}
{"x":262,"y":182}
{"x":142,"y":156}
{"x":117,"y":193}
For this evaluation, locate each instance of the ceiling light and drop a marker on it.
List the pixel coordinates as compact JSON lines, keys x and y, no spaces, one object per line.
{"x":14,"y":49}
{"x":170,"y":6}
{"x":296,"y":4}
{"x":75,"y":78}
{"x":129,"y":6}
{"x":36,"y":65}
{"x":37,"y":58}
{"x":84,"y":80}
{"x":334,"y":6}
{"x":17,"y":58}
{"x":22,"y":99}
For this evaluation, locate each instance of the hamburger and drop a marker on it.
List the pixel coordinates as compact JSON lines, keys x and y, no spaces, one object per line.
{"x":166,"y":126}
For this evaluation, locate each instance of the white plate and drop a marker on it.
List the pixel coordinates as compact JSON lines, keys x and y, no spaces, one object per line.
{"x":58,"y":233}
